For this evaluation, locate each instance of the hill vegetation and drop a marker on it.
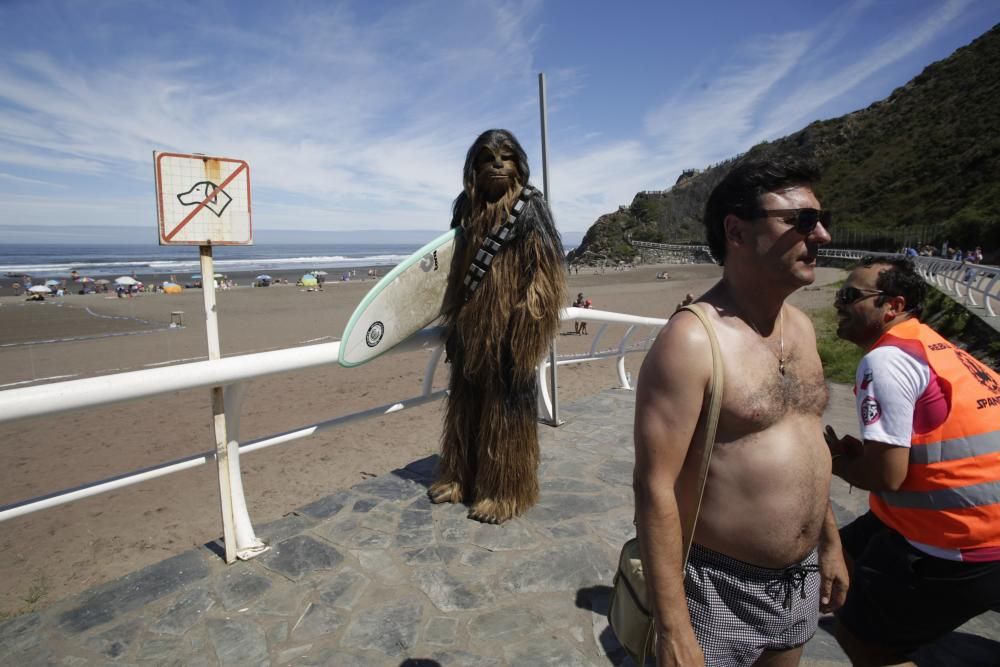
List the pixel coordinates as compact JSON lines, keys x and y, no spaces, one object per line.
{"x":920,"y":166}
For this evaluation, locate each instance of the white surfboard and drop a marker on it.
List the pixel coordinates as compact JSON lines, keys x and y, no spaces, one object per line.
{"x":405,"y":301}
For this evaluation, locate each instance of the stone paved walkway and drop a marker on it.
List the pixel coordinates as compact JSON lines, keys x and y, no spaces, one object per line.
{"x":375,"y":575}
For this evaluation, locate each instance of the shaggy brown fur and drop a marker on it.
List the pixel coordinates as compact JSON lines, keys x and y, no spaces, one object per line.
{"x":489,"y":449}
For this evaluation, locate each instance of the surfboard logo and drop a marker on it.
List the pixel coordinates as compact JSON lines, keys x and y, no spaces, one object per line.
{"x":429,"y":262}
{"x":374,"y":335}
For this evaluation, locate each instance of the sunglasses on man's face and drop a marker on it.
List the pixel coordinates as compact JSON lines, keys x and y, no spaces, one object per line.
{"x":848,"y":295}
{"x":804,"y":219}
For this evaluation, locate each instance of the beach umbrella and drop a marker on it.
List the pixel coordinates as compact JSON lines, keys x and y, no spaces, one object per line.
{"x":51,"y":282}
{"x":172,"y":288}
{"x":126,"y":280}
{"x":263,"y":276}
{"x":219,"y":275}
{"x":195,"y":276}
{"x":39,"y":289}
{"x":309,"y":280}
{"x":319,"y":273}
{"x":85,"y":279}
{"x":102,"y":281}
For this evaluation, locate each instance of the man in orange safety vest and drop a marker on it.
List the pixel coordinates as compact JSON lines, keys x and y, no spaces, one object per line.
{"x":926,"y":558}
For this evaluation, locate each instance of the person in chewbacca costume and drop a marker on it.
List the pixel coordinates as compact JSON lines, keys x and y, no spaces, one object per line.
{"x":505,"y":288}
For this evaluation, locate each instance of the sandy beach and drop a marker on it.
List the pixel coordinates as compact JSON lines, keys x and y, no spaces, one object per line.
{"x":58,"y":552}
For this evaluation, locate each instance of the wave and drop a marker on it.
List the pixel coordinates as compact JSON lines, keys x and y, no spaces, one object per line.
{"x":178,"y":265}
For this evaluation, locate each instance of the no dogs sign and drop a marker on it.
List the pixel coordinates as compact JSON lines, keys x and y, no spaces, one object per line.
{"x":202,"y":200}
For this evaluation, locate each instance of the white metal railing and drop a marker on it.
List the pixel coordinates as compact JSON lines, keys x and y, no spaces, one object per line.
{"x":972,"y":285}
{"x":233,"y":373}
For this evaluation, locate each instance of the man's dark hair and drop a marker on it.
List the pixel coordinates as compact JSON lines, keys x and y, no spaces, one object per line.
{"x":740,"y":190}
{"x":900,"y":278}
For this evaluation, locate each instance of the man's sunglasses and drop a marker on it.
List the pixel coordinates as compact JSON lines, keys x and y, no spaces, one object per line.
{"x":848,"y":295}
{"x":804,"y":219}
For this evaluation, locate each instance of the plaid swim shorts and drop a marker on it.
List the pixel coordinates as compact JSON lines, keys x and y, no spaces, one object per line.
{"x":739,"y":610}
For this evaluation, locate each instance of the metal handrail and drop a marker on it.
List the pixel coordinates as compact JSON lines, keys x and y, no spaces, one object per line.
{"x":234,"y":373}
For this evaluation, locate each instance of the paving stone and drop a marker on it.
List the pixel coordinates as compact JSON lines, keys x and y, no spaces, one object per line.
{"x":562,"y":568}
{"x":383,"y":518}
{"x":390,"y":629}
{"x":483,"y":560}
{"x":133,"y":591}
{"x":551,"y":652}
{"x":115,"y":643}
{"x":452,"y":524}
{"x":449,"y":593}
{"x":282,"y":598}
{"x":345,"y":589}
{"x":390,"y":487}
{"x":381,"y":566}
{"x":318,"y":620}
{"x":184,"y":612}
{"x":300,"y":556}
{"x":285,"y":527}
{"x":565,"y":531}
{"x":513,"y":535}
{"x":239,"y":585}
{"x":567,"y":506}
{"x":331,"y":656}
{"x":293,"y":654}
{"x":465,"y":659}
{"x":238,"y":642}
{"x":441,"y":630}
{"x":429,"y":555}
{"x":616,"y":472}
{"x":422,"y":503}
{"x":277,"y":634}
{"x":163,"y":651}
{"x":20,"y":633}
{"x":324,"y":508}
{"x":364,"y":538}
{"x":506,"y":624}
{"x":614,"y":531}
{"x":566,"y":485}
{"x":425,"y":468}
{"x":365,"y":505}
{"x":418,"y":536}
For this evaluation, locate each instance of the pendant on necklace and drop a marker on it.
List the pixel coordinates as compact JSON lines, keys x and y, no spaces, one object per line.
{"x":781,"y":366}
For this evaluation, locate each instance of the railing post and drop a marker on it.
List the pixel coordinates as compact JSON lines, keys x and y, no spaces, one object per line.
{"x":247,"y":544}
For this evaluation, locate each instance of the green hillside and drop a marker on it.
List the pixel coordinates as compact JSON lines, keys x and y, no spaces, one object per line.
{"x":922,"y":165}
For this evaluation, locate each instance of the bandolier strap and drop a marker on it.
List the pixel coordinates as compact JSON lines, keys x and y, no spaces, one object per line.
{"x":493,"y":242}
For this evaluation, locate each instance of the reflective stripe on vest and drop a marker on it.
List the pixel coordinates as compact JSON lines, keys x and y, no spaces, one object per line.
{"x":977,"y":495}
{"x":952,"y":450}
{"x":951,"y":495}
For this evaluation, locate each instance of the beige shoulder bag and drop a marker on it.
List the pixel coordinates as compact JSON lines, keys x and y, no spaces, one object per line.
{"x":629,"y":613}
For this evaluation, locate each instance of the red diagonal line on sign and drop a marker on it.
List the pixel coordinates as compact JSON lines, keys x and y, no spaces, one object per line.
{"x":211,"y":196}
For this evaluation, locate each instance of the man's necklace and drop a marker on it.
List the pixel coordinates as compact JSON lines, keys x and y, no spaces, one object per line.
{"x":781,"y":338}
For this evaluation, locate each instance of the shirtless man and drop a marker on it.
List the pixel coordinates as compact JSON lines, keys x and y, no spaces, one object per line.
{"x":765,"y":528}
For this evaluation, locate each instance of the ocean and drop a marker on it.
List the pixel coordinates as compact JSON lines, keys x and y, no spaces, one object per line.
{"x":44,"y":261}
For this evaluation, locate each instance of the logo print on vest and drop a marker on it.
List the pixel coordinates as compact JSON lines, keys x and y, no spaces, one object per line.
{"x":867,"y":379}
{"x":871,"y":411}
{"x":978,"y":371}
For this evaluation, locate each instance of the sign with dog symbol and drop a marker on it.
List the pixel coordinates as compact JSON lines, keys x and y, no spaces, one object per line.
{"x":202,"y":200}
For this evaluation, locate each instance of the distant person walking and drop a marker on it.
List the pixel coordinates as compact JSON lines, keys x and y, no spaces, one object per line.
{"x":578,"y":304}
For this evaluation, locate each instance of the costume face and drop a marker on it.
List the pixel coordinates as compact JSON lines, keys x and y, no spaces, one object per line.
{"x":496,"y":171}
{"x":787,"y":252}
{"x":861,"y":322}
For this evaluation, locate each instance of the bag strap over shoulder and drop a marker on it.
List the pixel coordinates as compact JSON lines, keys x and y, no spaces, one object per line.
{"x":711,"y":425}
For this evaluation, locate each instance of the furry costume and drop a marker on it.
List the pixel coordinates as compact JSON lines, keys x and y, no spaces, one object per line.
{"x":497,"y":335}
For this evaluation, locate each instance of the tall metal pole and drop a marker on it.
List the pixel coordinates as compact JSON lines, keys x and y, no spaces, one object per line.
{"x":548,"y":198}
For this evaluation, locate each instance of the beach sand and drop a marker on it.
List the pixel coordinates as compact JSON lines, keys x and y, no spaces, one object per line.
{"x":61,"y":551}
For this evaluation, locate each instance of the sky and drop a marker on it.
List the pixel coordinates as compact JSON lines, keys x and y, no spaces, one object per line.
{"x":358,"y":115}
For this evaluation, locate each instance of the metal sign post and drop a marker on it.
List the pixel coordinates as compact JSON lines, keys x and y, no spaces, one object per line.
{"x":205,"y":201}
{"x":545,"y":190}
